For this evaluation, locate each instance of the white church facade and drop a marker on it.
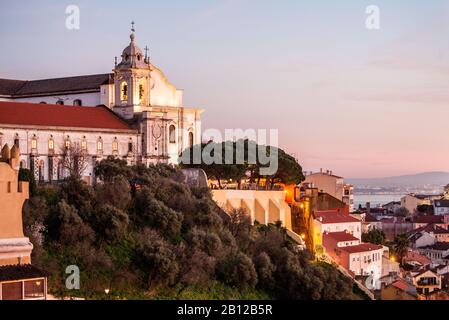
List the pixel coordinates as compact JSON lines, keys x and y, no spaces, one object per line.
{"x":133,"y":113}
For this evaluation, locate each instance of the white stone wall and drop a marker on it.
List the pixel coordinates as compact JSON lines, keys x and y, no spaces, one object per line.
{"x":369,"y":262}
{"x":26,"y":135}
{"x":88,"y":99}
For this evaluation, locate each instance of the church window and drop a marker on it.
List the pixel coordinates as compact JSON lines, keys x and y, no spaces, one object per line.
{"x":100,"y":145}
{"x":130,"y":147}
{"x":16,"y":141}
{"x":60,"y":102}
{"x":34,"y":143}
{"x":83,"y":145}
{"x":51,"y":145}
{"x":42,"y":102}
{"x":141,"y":91}
{"x":190,"y":139}
{"x":138,"y":57}
{"x":115,"y":146}
{"x":77,"y":103}
{"x":124,"y":91}
{"x":67,"y":144}
{"x":172,"y":134}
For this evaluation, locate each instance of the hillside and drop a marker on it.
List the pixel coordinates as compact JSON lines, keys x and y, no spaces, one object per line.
{"x":437,"y":179}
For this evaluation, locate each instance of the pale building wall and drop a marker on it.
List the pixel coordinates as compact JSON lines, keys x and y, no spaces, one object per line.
{"x":87,"y":99}
{"x":327,"y":183}
{"x":263,"y":206}
{"x":42,"y":153}
{"x":367,"y":263}
{"x":355,"y":228}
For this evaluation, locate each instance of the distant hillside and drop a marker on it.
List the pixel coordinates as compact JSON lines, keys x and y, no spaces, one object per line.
{"x":420,"y":179}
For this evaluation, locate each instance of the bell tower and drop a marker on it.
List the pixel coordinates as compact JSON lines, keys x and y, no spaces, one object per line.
{"x":132,"y":80}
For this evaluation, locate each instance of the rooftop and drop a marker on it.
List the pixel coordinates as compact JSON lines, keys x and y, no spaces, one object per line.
{"x":47,"y":115}
{"x":333,"y":216}
{"x":441,"y":203}
{"x":363,"y":247}
{"x":340,"y":236}
{"x":21,"y":88}
{"x":439,"y":246}
{"x":428,"y":219}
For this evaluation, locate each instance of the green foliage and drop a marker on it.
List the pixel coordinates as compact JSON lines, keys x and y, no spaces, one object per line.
{"x":27,"y":175}
{"x":400,"y":246}
{"x":288,"y":172}
{"x":374,"y":236}
{"x":144,"y":234}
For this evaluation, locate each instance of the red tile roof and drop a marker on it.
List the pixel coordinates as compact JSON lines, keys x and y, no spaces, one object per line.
{"x":30,"y":114}
{"x":333,"y":216}
{"x":363,"y":247}
{"x":429,"y":219}
{"x":340,"y":236}
{"x":430,"y":228}
{"x":401,"y":284}
{"x":415,"y":256}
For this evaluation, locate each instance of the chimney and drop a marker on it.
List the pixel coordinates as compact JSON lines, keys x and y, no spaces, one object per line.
{"x":368,"y":208}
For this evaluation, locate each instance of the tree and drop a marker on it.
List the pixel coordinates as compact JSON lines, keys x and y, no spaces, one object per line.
{"x":108,"y":169}
{"x":74,"y":160}
{"x":156,"y":257}
{"x":374,"y":236}
{"x":238,"y":270}
{"x":265,"y":270}
{"x":155,"y":214}
{"x":402,"y":212}
{"x":110,"y":223}
{"x":288,"y":172}
{"x":27,"y":175}
{"x":400,"y":246}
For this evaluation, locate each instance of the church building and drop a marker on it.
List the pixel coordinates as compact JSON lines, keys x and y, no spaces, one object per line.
{"x":133,"y":113}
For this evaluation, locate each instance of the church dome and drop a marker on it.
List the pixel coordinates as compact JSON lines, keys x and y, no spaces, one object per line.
{"x":132,"y":55}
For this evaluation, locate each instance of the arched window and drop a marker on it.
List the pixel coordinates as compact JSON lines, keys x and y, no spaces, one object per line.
{"x":60,"y":102}
{"x":141,"y":91}
{"x":67,"y":143}
{"x":84,"y":144}
{"x":51,"y":144}
{"x":42,"y":102}
{"x":100,"y":145}
{"x":190,"y":139}
{"x":16,"y":140}
{"x":172,"y":134}
{"x":77,"y":103}
{"x":34,"y":143}
{"x":115,"y":146}
{"x":124,"y":91}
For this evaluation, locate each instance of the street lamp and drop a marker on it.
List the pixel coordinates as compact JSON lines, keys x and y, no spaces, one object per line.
{"x":106,"y":291}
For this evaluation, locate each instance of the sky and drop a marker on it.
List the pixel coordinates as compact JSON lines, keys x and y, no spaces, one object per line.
{"x":363,"y":103}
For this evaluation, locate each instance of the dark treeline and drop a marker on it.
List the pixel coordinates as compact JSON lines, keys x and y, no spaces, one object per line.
{"x":143,"y":233}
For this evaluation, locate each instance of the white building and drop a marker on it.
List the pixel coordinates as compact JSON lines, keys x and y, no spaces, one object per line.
{"x":150,"y":124}
{"x":332,"y":221}
{"x":441,"y":207}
